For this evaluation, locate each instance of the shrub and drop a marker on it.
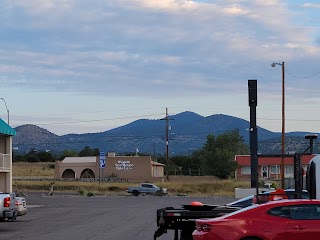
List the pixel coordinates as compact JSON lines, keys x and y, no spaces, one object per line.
{"x":81,"y":191}
{"x":90,"y":194}
{"x":51,"y":166}
{"x":114,"y":188}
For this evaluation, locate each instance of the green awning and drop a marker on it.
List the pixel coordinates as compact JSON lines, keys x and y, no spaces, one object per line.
{"x":6,"y":129}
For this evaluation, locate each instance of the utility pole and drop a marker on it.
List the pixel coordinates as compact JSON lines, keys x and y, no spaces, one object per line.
{"x":167,"y":144}
{"x":283,"y":126}
{"x":283,"y":130}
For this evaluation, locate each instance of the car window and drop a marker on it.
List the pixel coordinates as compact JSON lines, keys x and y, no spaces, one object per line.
{"x":146,"y":185}
{"x":305,"y":212}
{"x":247,"y":201}
{"x":283,"y":212}
{"x":305,"y":195}
{"x":244,"y":203}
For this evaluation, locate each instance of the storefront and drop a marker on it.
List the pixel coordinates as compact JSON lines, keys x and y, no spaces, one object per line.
{"x":135,"y":168}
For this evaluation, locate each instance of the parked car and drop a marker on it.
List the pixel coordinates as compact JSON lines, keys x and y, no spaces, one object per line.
{"x":248,"y":201}
{"x":286,"y":219}
{"x":147,"y":188}
{"x":8,"y":209}
{"x":21,"y":205}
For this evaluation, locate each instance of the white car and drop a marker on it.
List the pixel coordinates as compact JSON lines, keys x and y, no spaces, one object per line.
{"x":21,"y":205}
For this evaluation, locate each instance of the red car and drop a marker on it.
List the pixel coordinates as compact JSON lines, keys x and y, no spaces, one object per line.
{"x":274,"y":220}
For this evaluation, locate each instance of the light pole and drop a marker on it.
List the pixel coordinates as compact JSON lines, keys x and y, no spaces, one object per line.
{"x":283,"y":126}
{"x":6,"y":108}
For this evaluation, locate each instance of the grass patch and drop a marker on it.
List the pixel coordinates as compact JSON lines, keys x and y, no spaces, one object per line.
{"x":26,"y":169}
{"x":212,"y":188}
{"x":204,"y":188}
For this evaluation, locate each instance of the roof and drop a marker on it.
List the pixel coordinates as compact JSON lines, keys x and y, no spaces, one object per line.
{"x":156,"y":163}
{"x":245,"y":160}
{"x":79,"y":159}
{"x":6,"y":129}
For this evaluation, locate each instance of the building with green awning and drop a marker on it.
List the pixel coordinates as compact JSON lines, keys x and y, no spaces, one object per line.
{"x":5,"y":129}
{"x":6,"y":134}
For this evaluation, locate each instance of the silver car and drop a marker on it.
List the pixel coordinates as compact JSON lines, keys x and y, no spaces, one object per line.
{"x":21,"y":205}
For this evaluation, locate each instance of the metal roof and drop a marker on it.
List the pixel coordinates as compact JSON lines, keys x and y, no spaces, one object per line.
{"x":86,"y":159}
{"x":6,"y":129}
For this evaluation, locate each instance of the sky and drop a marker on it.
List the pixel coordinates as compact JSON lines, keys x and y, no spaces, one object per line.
{"x":78,"y":66}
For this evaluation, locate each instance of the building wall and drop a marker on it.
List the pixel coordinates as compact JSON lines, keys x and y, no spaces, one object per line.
{"x":157,"y":171}
{"x":2,"y":144}
{"x":3,"y":182}
{"x":131,"y":167}
{"x":6,"y":176}
{"x":245,"y":160}
{"x":60,"y":167}
{"x":128,"y":166}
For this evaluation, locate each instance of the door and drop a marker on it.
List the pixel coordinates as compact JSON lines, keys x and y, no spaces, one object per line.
{"x":265,"y":172}
{"x":305,"y":222}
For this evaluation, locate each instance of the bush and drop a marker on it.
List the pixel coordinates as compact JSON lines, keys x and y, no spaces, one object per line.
{"x":90,"y":194}
{"x":114,"y":188}
{"x":51,"y":166}
{"x":81,"y":191}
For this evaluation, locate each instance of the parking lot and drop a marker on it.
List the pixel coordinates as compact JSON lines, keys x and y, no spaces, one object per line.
{"x":74,"y":217}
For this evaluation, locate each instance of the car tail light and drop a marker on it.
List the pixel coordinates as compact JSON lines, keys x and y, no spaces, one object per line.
{"x":6,"y":202}
{"x":203,"y":227}
{"x":18,"y":202}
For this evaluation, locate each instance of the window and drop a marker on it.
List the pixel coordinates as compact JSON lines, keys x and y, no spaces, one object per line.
{"x":297,"y":212}
{"x":245,"y":170}
{"x":305,"y":212}
{"x":283,"y":212}
{"x":274,"y":169}
{"x":289,"y":169}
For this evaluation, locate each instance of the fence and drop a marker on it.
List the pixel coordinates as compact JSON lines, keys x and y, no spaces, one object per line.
{"x":189,"y":172}
{"x":72,"y":179}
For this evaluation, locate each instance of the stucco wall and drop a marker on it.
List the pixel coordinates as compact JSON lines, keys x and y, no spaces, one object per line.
{"x":128,"y":166}
{"x":3,"y":182}
{"x":131,"y":167}
{"x":60,"y":167}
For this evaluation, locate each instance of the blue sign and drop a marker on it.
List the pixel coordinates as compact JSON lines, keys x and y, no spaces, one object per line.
{"x":102,"y":160}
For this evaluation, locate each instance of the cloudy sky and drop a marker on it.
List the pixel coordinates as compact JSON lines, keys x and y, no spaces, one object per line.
{"x":78,"y":66}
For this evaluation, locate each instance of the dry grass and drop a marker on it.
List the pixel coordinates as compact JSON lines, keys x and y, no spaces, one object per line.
{"x":206,"y":188}
{"x":212,"y":188}
{"x":25,"y":169}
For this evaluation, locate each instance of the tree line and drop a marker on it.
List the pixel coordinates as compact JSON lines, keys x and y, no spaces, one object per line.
{"x":215,"y":158}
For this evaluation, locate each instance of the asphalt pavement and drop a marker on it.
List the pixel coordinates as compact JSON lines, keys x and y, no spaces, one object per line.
{"x":76,"y":217}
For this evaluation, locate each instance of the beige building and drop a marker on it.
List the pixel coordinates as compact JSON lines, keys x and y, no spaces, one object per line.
{"x":6,"y":133}
{"x":133,"y":168}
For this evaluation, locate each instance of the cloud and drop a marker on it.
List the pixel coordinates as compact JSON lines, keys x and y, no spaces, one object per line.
{"x":124,"y":45}
{"x":311,"y":5}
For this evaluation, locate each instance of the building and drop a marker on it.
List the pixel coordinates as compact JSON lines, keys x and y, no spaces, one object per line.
{"x":6,"y":133}
{"x":268,"y":167}
{"x":134,"y":168}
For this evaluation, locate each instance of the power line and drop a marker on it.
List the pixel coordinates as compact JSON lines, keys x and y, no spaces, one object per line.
{"x":302,"y":77}
{"x":99,"y":120}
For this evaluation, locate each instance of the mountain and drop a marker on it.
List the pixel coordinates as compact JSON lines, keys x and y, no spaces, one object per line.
{"x":188,"y":132}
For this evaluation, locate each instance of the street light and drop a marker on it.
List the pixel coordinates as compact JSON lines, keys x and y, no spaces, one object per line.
{"x":6,"y":108}
{"x":283,"y":126}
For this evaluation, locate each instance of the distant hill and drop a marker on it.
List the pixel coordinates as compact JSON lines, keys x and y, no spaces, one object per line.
{"x":188,"y":133}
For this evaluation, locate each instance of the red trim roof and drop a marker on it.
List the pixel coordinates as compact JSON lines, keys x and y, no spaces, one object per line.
{"x":245,"y":160}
